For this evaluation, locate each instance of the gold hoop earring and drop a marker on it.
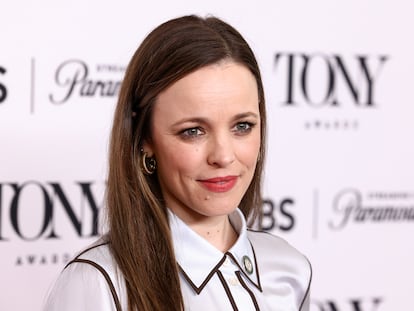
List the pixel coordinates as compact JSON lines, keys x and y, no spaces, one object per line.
{"x":149,"y":165}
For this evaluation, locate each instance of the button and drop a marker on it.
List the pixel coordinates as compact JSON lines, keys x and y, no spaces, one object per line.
{"x":233,"y":281}
{"x":226,"y":262}
{"x":247,"y":263}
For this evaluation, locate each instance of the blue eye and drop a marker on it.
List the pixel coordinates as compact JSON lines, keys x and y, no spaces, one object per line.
{"x":244,"y":127}
{"x":191,"y":132}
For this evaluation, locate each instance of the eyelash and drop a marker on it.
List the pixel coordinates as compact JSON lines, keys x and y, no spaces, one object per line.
{"x":247,"y":127}
{"x":189,"y":133}
{"x":195,"y":132}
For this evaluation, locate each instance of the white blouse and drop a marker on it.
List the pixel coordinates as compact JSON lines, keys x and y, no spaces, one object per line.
{"x":260,"y":272}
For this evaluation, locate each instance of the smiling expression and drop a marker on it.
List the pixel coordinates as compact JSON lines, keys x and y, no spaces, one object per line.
{"x":205,"y":136}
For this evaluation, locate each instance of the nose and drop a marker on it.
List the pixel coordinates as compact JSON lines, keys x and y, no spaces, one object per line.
{"x":221,"y":151}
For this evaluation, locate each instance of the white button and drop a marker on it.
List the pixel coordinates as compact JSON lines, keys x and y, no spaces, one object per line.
{"x":233,"y":281}
{"x":226,"y":262}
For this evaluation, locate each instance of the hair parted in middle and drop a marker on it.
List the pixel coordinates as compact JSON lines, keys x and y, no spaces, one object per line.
{"x":139,"y":234}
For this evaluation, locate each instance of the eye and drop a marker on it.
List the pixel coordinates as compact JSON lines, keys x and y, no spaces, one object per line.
{"x":243,"y":127}
{"x":191,"y":132}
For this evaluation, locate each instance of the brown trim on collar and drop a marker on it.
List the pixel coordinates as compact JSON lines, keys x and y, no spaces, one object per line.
{"x":257,"y":269}
{"x":106,"y":276}
{"x":227,"y":290}
{"x":252,"y":296}
{"x":198,"y":289}
{"x":258,"y":285}
{"x":209,"y":276}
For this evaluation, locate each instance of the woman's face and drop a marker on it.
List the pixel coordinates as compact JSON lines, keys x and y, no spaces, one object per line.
{"x":206,"y":140}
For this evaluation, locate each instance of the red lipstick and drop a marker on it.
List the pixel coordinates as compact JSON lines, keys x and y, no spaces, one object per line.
{"x":219,"y":184}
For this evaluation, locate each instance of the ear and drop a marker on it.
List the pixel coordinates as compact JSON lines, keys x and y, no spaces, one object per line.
{"x":148,"y":148}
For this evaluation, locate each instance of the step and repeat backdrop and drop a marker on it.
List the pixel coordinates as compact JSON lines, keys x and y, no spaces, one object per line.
{"x":339,"y":180}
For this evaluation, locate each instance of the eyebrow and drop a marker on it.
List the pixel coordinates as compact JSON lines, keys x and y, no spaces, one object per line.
{"x":205,"y":120}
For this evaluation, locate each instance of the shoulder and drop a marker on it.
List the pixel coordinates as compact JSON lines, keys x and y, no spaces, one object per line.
{"x":98,"y":253}
{"x":272,"y":245}
{"x":278,"y":260}
{"x":95,"y":261}
{"x":91,"y":274}
{"x":274,"y":252}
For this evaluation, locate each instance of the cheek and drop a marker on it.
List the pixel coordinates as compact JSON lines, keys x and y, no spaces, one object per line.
{"x":176,"y":159}
{"x":249,"y":152}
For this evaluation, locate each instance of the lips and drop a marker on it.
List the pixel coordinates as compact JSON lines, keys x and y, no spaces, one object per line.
{"x":219,"y":184}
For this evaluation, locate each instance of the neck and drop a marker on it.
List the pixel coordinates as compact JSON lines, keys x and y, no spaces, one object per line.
{"x":218,"y":231}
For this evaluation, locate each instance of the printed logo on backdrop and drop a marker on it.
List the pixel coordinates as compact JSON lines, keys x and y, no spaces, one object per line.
{"x":76,"y":79}
{"x":278,"y":215}
{"x":329,"y":82}
{"x":3,"y":88}
{"x":35,"y":212}
{"x":353,"y":206}
{"x":354,"y":304}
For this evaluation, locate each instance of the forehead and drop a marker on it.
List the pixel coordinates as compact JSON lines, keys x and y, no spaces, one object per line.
{"x":223,"y":85}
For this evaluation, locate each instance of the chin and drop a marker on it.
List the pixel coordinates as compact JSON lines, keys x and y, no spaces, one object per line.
{"x":220,"y":211}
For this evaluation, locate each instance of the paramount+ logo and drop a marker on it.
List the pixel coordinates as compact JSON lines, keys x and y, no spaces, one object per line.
{"x":74,"y":78}
{"x":33,"y":210}
{"x":357,"y":207}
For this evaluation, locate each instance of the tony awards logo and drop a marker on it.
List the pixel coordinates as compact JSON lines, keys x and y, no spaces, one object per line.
{"x":37,"y":211}
{"x":322,"y":80}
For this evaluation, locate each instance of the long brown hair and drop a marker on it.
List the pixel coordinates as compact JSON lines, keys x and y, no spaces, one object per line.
{"x":139,"y":234}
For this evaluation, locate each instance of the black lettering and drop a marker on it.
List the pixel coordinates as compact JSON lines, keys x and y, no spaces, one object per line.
{"x":43,"y":260}
{"x":73,"y":75}
{"x":304,"y":80}
{"x":351,"y":86}
{"x":268,"y":221}
{"x":332,"y":306}
{"x":283,"y":210}
{"x":344,"y":204}
{"x":352,"y":305}
{"x":14,"y":207}
{"x":376,"y":301}
{"x":87,"y":194}
{"x":366,"y":75}
{"x":31,"y":259}
{"x":104,"y":88}
{"x":3,"y":89}
{"x":356,"y":304}
{"x":58,"y":192}
{"x":68,"y":75}
{"x":290,"y":76}
{"x":86,"y":197}
{"x":370,"y":77}
{"x":299,"y":82}
{"x":85,"y":222}
{"x":2,"y":238}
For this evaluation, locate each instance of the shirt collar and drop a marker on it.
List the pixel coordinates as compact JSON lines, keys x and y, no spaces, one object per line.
{"x":199,"y":260}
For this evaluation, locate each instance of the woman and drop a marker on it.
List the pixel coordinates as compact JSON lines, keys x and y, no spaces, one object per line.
{"x":186,"y":159}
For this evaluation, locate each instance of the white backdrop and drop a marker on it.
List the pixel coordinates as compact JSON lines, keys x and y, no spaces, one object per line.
{"x":339,"y":175}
